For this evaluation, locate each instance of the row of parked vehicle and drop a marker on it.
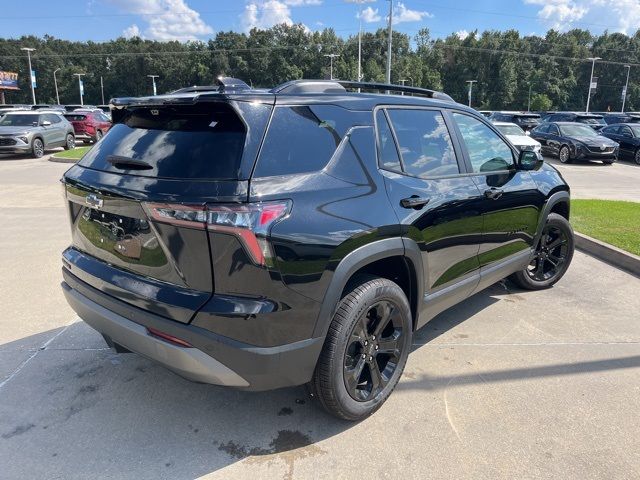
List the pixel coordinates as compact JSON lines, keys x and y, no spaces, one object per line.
{"x":573,"y":135}
{"x":33,"y":129}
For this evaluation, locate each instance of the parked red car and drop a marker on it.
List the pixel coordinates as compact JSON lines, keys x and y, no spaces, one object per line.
{"x":89,"y":125}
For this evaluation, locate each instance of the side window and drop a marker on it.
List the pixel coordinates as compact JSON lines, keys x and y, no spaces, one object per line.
{"x":544,"y":128}
{"x":301,"y":139}
{"x":387,"y":152}
{"x":553,"y":130}
{"x":487,"y":151}
{"x":53,"y":118}
{"x":626,"y":132}
{"x":424,"y":142}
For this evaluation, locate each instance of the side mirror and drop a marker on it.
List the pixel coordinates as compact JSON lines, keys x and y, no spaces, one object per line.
{"x":529,"y":160}
{"x":527,"y":133}
{"x":46,"y":123}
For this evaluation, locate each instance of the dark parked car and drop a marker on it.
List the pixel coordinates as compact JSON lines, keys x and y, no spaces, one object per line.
{"x":594,"y":120}
{"x":525,"y":120}
{"x":574,"y":141}
{"x":262,"y":239}
{"x":611,"y":118}
{"x":627,"y":135}
{"x":89,"y":126}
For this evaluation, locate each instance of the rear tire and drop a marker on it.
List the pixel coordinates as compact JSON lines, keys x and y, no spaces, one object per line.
{"x":608,"y":162}
{"x":98,"y":136}
{"x":365,"y":350}
{"x":552,"y":258}
{"x":564,"y":155}
{"x":37,"y":148}
{"x":636,"y":156}
{"x":70,"y":142}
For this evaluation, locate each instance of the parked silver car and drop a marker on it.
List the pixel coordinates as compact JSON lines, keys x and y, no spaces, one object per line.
{"x":34,"y":132}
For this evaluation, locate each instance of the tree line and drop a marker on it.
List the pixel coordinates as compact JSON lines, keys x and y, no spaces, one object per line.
{"x":551,"y":71}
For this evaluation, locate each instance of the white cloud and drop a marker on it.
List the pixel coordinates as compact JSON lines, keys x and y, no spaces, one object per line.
{"x":166,"y":19}
{"x":369,"y":15}
{"x":560,"y":14}
{"x":265,"y":14}
{"x":132,"y":31}
{"x":403,"y":14}
{"x":619,"y":15}
{"x":462,"y":34}
{"x":302,"y":3}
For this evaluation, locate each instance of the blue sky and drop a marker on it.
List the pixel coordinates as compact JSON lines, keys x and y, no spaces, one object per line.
{"x":184,"y":20}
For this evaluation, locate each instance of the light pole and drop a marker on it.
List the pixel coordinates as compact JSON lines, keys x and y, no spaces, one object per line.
{"x":80,"y":86}
{"x":331,"y":57}
{"x":153,"y":79}
{"x":55,"y":83}
{"x":626,"y":86}
{"x":529,"y":101}
{"x":593,"y":64}
{"x":360,"y":2}
{"x":390,"y":28}
{"x":33,"y":91}
{"x":471,"y":82}
{"x":102,"y":89}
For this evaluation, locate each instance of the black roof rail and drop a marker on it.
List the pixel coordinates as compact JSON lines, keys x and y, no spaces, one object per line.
{"x":425,"y":92}
{"x":340,"y":86}
{"x":223,"y":84}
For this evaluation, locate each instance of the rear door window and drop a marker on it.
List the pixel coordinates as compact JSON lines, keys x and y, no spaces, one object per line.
{"x":190,"y":142}
{"x":387,"y":151}
{"x":425,"y":145}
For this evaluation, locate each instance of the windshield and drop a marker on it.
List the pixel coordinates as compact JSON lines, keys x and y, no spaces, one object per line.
{"x":578,"y":131}
{"x":19,"y":120}
{"x":510,"y":130}
{"x":591,"y":120}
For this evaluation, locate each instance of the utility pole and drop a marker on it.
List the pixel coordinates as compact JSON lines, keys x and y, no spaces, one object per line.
{"x":593,"y":64}
{"x":471,"y":82}
{"x":529,"y":102}
{"x":626,"y":86}
{"x":388,"y":77}
{"x":80,"y":86}
{"x":402,"y":80}
{"x":102,"y":89}
{"x":153,"y":79}
{"x":32,"y":77}
{"x":331,"y":57}
{"x":55,"y":83}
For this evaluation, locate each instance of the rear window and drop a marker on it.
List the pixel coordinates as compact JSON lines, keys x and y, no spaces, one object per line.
{"x":75,"y":118}
{"x":190,"y":142}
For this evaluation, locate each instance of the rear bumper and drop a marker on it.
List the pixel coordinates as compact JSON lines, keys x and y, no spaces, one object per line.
{"x":213,"y":359}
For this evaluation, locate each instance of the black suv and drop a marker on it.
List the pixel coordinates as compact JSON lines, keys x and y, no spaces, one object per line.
{"x":525,"y":120}
{"x":262,"y":239}
{"x":594,"y":120}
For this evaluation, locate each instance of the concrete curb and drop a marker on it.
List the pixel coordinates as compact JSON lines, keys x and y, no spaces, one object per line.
{"x":55,"y":159}
{"x":612,"y":255}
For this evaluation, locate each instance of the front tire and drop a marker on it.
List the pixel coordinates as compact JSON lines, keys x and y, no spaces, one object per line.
{"x":98,"y":136}
{"x":552,"y":257}
{"x":37,"y":148}
{"x":564,"y":155}
{"x":365,"y":351}
{"x":636,"y":156}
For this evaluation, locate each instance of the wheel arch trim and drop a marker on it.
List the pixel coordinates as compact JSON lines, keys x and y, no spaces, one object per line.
{"x":359,"y":258}
{"x":552,"y":201}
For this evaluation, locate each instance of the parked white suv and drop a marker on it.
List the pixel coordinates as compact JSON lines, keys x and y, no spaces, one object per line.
{"x":518,"y":137}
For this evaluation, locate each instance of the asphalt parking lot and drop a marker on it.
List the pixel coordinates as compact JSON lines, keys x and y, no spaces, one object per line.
{"x":508,"y":384}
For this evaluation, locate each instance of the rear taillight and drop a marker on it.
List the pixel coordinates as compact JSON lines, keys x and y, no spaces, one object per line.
{"x":168,"y":338}
{"x":250,"y":223}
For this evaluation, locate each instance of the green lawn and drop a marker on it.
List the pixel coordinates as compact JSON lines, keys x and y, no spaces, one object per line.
{"x":75,"y":154}
{"x":613,"y":222}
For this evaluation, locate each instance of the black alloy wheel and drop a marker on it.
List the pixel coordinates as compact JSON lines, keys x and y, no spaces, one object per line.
{"x":373,"y":351}
{"x":551,"y":254}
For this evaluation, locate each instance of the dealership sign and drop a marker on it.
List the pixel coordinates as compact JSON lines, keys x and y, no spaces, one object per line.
{"x":8,"y":80}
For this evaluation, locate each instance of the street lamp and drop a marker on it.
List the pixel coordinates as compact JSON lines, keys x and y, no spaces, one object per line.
{"x":153,"y":79}
{"x":331,"y":57}
{"x":471,"y":82}
{"x":360,"y":3}
{"x":80,"y":86}
{"x":31,"y":76}
{"x":626,"y":86}
{"x":390,"y":33}
{"x":593,"y":64}
{"x":55,"y":83}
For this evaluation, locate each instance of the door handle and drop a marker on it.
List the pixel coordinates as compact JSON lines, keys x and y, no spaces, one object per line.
{"x":493,"y":193}
{"x":414,"y":202}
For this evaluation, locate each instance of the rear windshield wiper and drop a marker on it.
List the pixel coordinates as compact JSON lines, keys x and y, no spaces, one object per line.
{"x":126,"y":163}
